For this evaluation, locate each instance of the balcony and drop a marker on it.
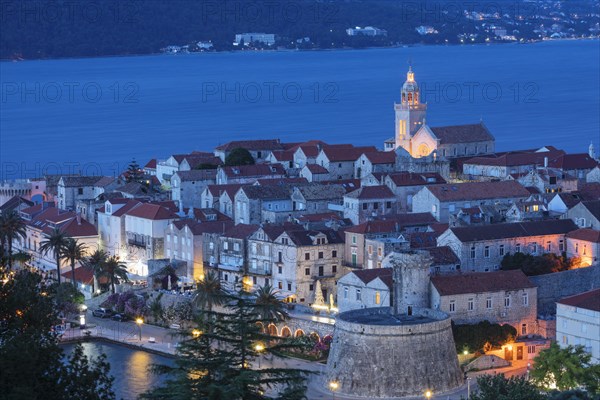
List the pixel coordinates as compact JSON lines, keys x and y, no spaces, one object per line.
{"x":136,"y":242}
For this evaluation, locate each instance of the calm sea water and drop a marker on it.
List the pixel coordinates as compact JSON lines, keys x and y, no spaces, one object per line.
{"x":98,"y":113}
{"x":129,"y":367}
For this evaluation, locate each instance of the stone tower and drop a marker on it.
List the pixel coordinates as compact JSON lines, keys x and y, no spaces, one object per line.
{"x":397,"y":351}
{"x":411,"y":281}
{"x":410,"y":113}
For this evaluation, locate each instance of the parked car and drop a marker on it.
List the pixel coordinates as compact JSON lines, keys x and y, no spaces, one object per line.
{"x":120,"y":317}
{"x":102,"y":313}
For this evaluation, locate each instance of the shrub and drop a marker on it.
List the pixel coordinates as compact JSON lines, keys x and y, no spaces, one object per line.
{"x":483,"y":335}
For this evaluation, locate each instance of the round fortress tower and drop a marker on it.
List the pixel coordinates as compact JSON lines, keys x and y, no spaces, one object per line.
{"x":397,"y":351}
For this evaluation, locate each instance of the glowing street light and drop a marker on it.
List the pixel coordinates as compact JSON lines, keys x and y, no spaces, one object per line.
{"x":334,"y":386}
{"x":196,"y":333}
{"x":259,"y":347}
{"x":139,"y":321}
{"x":428,"y":394}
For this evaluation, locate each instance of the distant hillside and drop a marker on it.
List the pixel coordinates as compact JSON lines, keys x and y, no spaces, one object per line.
{"x":71,"y":28}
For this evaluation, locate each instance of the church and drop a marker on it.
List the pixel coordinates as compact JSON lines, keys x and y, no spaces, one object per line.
{"x":415,"y":137}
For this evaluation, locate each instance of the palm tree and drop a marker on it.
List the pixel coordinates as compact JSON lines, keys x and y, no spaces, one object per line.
{"x":73,"y":251}
{"x":95,"y":262}
{"x":56,"y":242}
{"x":209,"y":292}
{"x":11,"y":227}
{"x":114,"y":270}
{"x":268,"y":305}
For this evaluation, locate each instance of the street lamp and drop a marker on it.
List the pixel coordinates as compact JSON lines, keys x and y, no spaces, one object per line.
{"x":428,"y":394}
{"x":259,"y":347}
{"x":196,"y":333}
{"x":468,"y":388}
{"x":333,"y":386}
{"x":139,"y":321}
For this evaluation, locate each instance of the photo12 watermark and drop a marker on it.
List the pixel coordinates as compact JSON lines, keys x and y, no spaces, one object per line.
{"x":269,"y":92}
{"x":68,"y":92}
{"x":474,"y":92}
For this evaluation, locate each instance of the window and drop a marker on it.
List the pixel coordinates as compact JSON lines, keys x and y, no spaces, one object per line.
{"x":225,"y":245}
{"x":452,"y":306}
{"x":345,"y":292}
{"x":534,"y":247}
{"x":370,"y":249}
{"x":307,"y":256}
{"x":334,"y":269}
{"x":501,"y":250}
{"x":307,"y":271}
{"x":434,"y":209}
{"x":353,"y":239}
{"x":311,"y":287}
{"x":280,"y":285}
{"x":365,"y":206}
{"x":470,"y":304}
{"x":472,"y":252}
{"x":548,"y":247}
{"x":507,"y":301}
{"x":518,"y":248}
{"x":523,"y":329}
{"x":279,"y":256}
{"x":525,"y":299}
{"x":289,"y":285}
{"x":254,"y":280}
{"x":377,"y":297}
{"x":236,"y":246}
{"x":488,"y":303}
{"x":388,"y":204}
{"x":531,"y":349}
{"x":334,"y":254}
{"x":284,"y":240}
{"x":379,"y":251}
{"x":80,"y":191}
{"x":358,"y":295}
{"x":320,"y":254}
{"x":584,"y":249}
{"x":451,"y":207}
{"x":321,"y":270}
{"x":280,"y":270}
{"x":576,"y":247}
{"x":486,"y":252}
{"x":561,"y":245}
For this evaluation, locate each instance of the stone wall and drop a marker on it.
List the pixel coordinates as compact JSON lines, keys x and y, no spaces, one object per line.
{"x":380,"y":361}
{"x":555,"y":286}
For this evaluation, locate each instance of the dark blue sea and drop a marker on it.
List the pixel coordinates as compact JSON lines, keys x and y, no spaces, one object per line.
{"x":95,"y":114}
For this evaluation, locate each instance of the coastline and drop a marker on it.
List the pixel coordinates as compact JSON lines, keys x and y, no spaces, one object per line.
{"x":529,"y":42}
{"x":94,"y":338}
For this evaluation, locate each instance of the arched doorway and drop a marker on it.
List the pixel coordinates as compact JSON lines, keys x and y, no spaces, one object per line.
{"x":261,"y":327}
{"x":315,"y":336}
{"x":286,"y":332}
{"x":299,"y":333}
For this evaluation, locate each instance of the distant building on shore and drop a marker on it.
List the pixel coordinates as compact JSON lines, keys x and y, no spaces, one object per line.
{"x":247,"y":38}
{"x":366,"y":31}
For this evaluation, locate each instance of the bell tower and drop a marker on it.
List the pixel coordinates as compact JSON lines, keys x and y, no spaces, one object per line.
{"x":410,"y":113}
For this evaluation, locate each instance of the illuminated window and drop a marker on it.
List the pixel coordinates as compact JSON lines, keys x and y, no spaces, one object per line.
{"x":377,"y":298}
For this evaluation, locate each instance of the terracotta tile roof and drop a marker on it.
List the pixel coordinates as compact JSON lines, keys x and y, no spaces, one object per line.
{"x":381,"y":157}
{"x":263,"y":144}
{"x":414,"y":179}
{"x":151,"y":164}
{"x":283,"y":155}
{"x":375,"y":226}
{"x":128,"y":206}
{"x":282,"y":181}
{"x":151,"y":211}
{"x":349,"y":184}
{"x":513,"y":230}
{"x":66,"y":221}
{"x":482,"y":282}
{"x":194,"y":160}
{"x":241,"y":231}
{"x":588,"y":300}
{"x":257,"y":170}
{"x":316,"y":169}
{"x":231,"y":189}
{"x":77,"y":181}
{"x":573,"y":161}
{"x":372,"y":192}
{"x":419,"y":240}
{"x":589,"y":190}
{"x":462,"y":133}
{"x":14,"y":202}
{"x":587,"y":234}
{"x":318,"y":191}
{"x":442,"y":255}
{"x":197,"y":175}
{"x":593,"y":206}
{"x":478,"y":191}
{"x":343,"y":153}
{"x":369,"y":275}
{"x":83,"y":275}
{"x":79,"y":228}
{"x":327,"y":216}
{"x":305,"y":237}
{"x":515,"y":158}
{"x":198,"y":228}
{"x":272,"y":192}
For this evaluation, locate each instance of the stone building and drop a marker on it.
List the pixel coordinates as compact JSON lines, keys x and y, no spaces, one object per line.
{"x":187,"y":186}
{"x":578,"y":322}
{"x":71,"y":189}
{"x":586,"y":214}
{"x":339,"y":160}
{"x":251,"y":201}
{"x":233,"y":250}
{"x":111,"y":226}
{"x":502,"y":297}
{"x":443,"y":200}
{"x":411,"y":348}
{"x":481,"y":248}
{"x":365,"y":289}
{"x":259,"y":149}
{"x":584,"y":243}
{"x":369,"y":202}
{"x":406,"y":184}
{"x":373,"y":162}
{"x":248,"y":174}
{"x":316,"y":198}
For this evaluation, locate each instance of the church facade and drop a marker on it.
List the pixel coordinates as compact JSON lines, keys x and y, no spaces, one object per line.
{"x":415,"y":137}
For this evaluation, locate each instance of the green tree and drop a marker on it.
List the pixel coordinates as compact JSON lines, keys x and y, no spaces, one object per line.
{"x":497,"y":387}
{"x":134,"y":173}
{"x":268,"y":305}
{"x":95,"y":262}
{"x":572,"y":395}
{"x":209,"y":292}
{"x":32,"y":365}
{"x":565,"y":368}
{"x":219,"y":361}
{"x":12,"y":227}
{"x":475,"y":336}
{"x":239,"y":156}
{"x":114,"y":270}
{"x":156,"y":309}
{"x":67,"y":298}
{"x":55,"y":242}
{"x":73,"y":251}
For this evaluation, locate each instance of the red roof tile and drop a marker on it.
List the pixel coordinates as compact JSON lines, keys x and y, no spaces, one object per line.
{"x":478,"y":190}
{"x":151,"y":164}
{"x":369,"y":275}
{"x":462,"y":133}
{"x":482,"y":282}
{"x":415,"y":179}
{"x":588,"y":300}
{"x":337,"y":153}
{"x":372,"y":192}
{"x":381,"y":157}
{"x":152,"y":212}
{"x":262,"y":144}
{"x":586,"y":234}
{"x":317,"y":169}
